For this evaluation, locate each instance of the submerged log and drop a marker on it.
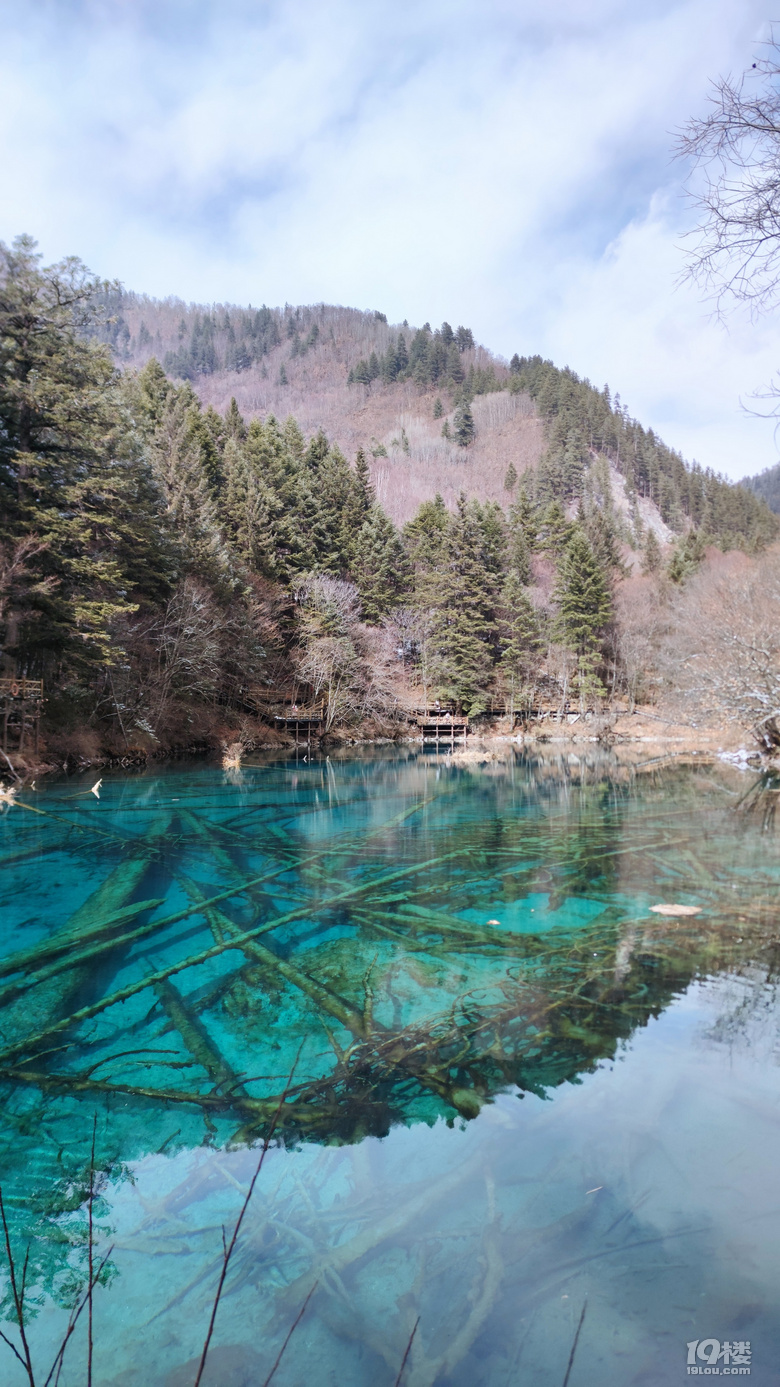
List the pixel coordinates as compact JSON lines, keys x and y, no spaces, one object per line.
{"x":194,"y":1035}
{"x":53,"y":999}
{"x":17,"y":1045}
{"x":256,"y":952}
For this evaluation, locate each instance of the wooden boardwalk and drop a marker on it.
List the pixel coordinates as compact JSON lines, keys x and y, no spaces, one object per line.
{"x":439,"y":726}
{"x":21,"y":701}
{"x":305,"y":727}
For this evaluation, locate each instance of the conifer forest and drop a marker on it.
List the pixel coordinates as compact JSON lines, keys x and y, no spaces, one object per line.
{"x":173,"y":572}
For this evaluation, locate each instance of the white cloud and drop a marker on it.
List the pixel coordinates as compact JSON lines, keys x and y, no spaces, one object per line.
{"x":497,"y":164}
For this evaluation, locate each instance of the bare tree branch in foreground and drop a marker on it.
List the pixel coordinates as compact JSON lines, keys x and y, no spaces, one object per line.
{"x":735,"y":187}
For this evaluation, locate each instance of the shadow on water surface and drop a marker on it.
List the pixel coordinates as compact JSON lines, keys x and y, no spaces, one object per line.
{"x":425,"y":943}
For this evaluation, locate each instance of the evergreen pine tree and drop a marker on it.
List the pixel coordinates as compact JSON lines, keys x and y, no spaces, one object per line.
{"x":583,"y":598}
{"x":555,"y":530}
{"x":216,"y":428}
{"x":276,"y":456}
{"x":574,"y":463}
{"x":425,"y":536}
{"x":234,"y":421}
{"x":466,"y":629}
{"x":357,"y":506}
{"x":316,"y":452}
{"x":521,"y":641}
{"x":524,"y":517}
{"x":189,"y":498}
{"x":333,"y":487}
{"x":199,"y":438}
{"x":464,"y":423}
{"x":283,"y":375}
{"x":71,"y":472}
{"x":454,"y":367}
{"x":379,"y":565}
{"x":438,"y":408}
{"x":364,"y":487}
{"x":600,"y":528}
{"x":148,"y":392}
{"x":510,"y":478}
{"x":294,"y":441}
{"x":651,"y":559}
{"x":495,"y":536}
{"x":686,"y":558}
{"x":249,"y":511}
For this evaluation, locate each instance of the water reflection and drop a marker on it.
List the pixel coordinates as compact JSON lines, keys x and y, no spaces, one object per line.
{"x":422,"y":943}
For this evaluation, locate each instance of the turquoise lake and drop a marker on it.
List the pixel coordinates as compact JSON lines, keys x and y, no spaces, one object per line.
{"x":500,"y":1090}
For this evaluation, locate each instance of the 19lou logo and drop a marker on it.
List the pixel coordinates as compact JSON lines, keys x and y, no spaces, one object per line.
{"x":714,"y":1358}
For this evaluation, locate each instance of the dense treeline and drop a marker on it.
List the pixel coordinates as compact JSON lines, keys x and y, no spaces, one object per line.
{"x":430,"y":358}
{"x":166,"y":569}
{"x":222,"y":338}
{"x":766,"y":485}
{"x":583,"y":420}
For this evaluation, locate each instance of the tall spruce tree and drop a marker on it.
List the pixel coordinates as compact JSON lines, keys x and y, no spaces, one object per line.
{"x":555,"y":531}
{"x":687,"y":556}
{"x":463,"y":422}
{"x":466,"y":630}
{"x":190,"y":504}
{"x":357,"y":505}
{"x":425,"y":537}
{"x":379,"y":565}
{"x":72,"y":473}
{"x":235,"y":426}
{"x":249,"y":511}
{"x":521,"y":642}
{"x":583,"y":598}
{"x":651,"y":558}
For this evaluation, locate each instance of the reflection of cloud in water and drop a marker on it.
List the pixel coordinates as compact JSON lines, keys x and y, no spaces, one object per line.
{"x":487,"y":1231}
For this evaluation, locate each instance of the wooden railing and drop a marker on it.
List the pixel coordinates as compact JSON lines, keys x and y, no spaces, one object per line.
{"x":21,"y":688}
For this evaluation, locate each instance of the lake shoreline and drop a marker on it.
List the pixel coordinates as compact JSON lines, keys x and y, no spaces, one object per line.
{"x":641,"y":730}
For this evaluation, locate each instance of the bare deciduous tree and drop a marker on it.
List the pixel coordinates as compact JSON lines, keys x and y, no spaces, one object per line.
{"x":347,"y":664}
{"x":328,"y":658}
{"x":726,"y":652}
{"x":734,"y":252}
{"x":643,"y":621}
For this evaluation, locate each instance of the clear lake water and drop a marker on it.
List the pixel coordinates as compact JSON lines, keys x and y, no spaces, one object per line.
{"x":503,"y":1100}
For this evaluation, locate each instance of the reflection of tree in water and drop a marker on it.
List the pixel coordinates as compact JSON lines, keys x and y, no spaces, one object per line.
{"x":220,"y":942}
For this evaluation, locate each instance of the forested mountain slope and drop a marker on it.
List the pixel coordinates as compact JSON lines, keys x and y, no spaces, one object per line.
{"x":766,"y":485}
{"x":395,"y":393}
{"x":174,"y":572}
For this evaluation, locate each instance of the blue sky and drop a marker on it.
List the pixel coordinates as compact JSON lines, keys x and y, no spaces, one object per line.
{"x":503,"y":165}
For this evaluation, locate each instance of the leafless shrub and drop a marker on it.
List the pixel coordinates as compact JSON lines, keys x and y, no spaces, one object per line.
{"x":725,"y":648}
{"x":346,"y":664}
{"x":643,"y":620}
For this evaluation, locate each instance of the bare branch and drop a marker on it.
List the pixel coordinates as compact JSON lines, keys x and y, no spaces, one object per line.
{"x":734,"y":252}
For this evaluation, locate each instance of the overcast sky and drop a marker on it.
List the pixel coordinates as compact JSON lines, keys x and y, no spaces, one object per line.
{"x":504,"y":164}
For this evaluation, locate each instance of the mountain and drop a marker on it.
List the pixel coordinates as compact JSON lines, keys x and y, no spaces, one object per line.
{"x":311,"y":507}
{"x":394,"y":391}
{"x":766,"y":485}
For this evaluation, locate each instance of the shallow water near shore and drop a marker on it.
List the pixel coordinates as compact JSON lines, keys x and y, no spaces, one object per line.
{"x":499,"y":1088}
